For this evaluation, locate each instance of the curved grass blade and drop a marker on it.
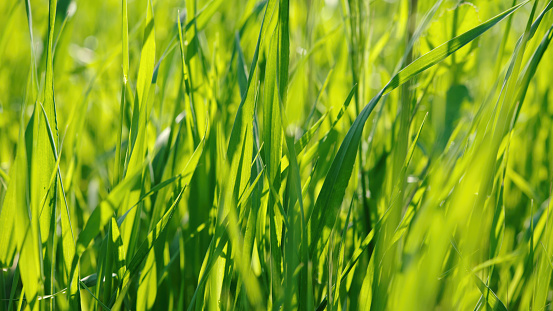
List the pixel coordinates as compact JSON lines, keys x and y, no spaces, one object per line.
{"x":337,"y":179}
{"x":530,"y":69}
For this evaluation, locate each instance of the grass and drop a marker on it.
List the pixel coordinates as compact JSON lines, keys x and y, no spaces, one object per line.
{"x":276,"y":154}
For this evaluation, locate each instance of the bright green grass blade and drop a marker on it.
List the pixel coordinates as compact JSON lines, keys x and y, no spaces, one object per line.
{"x":42,"y":162}
{"x":125,"y":40}
{"x":141,"y":113}
{"x":42,"y":159}
{"x":32,"y":88}
{"x":182,"y":50}
{"x":147,"y":283}
{"x":270,"y":106}
{"x":144,"y":79}
{"x":332,"y":192}
{"x":531,"y":68}
{"x":14,"y":218}
{"x":543,"y":274}
{"x":125,"y":60}
{"x":7,"y":215}
{"x":272,"y":138}
{"x":25,"y":235}
{"x":255,"y":195}
{"x":187,"y":77}
{"x":147,"y":58}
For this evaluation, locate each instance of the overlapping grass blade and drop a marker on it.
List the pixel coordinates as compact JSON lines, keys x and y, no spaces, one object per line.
{"x":332,"y":193}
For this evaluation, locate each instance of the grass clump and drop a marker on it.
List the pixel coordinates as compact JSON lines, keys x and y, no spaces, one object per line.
{"x":310,"y":155}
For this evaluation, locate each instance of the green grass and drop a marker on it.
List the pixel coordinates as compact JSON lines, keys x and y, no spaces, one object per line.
{"x":276,"y":155}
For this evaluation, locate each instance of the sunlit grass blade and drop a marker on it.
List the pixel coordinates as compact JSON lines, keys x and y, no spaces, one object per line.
{"x":137,"y":136}
{"x":24,"y":234}
{"x":331,"y":195}
{"x":125,"y":60}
